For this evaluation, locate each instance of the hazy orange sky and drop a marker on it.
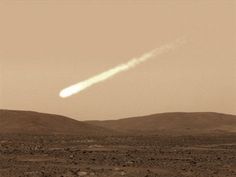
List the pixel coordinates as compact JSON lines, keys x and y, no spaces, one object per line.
{"x":46,"y":46}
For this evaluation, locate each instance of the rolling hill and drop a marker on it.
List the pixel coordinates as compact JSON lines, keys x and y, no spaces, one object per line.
{"x":28,"y":122}
{"x":172,"y":123}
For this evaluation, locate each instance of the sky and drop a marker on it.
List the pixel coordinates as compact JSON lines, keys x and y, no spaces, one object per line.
{"x":46,"y":46}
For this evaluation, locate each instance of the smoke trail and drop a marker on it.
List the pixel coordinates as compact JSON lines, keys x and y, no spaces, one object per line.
{"x":73,"y":89}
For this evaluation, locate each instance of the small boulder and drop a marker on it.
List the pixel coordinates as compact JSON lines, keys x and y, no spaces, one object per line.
{"x":82,"y":173}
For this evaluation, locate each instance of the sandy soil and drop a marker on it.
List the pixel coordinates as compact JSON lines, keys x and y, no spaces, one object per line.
{"x":140,"y":156}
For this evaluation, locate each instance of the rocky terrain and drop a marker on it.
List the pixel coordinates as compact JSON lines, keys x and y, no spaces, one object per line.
{"x":114,"y":156}
{"x":96,"y":151}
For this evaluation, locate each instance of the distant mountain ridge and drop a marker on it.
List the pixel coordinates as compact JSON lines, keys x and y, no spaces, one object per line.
{"x":29,"y":122}
{"x":176,"y":123}
{"x":173,"y":123}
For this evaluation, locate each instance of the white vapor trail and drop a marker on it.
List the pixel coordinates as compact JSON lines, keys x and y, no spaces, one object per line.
{"x":73,"y":89}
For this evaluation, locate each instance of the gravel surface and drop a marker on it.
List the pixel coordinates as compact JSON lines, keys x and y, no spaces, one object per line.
{"x":130,"y":156}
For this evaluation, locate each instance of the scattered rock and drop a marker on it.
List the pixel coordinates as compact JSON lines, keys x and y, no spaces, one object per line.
{"x":82,"y":173}
{"x":122,"y":173}
{"x":117,"y":169}
{"x":92,"y":174}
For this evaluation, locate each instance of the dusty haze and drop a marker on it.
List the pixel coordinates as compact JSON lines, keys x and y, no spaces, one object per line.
{"x":46,"y":46}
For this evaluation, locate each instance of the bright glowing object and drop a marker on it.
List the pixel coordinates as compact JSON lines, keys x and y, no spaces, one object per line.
{"x":76,"y":88}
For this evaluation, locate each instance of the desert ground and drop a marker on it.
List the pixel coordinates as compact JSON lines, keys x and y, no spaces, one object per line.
{"x":36,"y":144}
{"x":114,"y":156}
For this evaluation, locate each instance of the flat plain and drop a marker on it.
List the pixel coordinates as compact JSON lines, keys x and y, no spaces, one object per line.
{"x":113,"y":156}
